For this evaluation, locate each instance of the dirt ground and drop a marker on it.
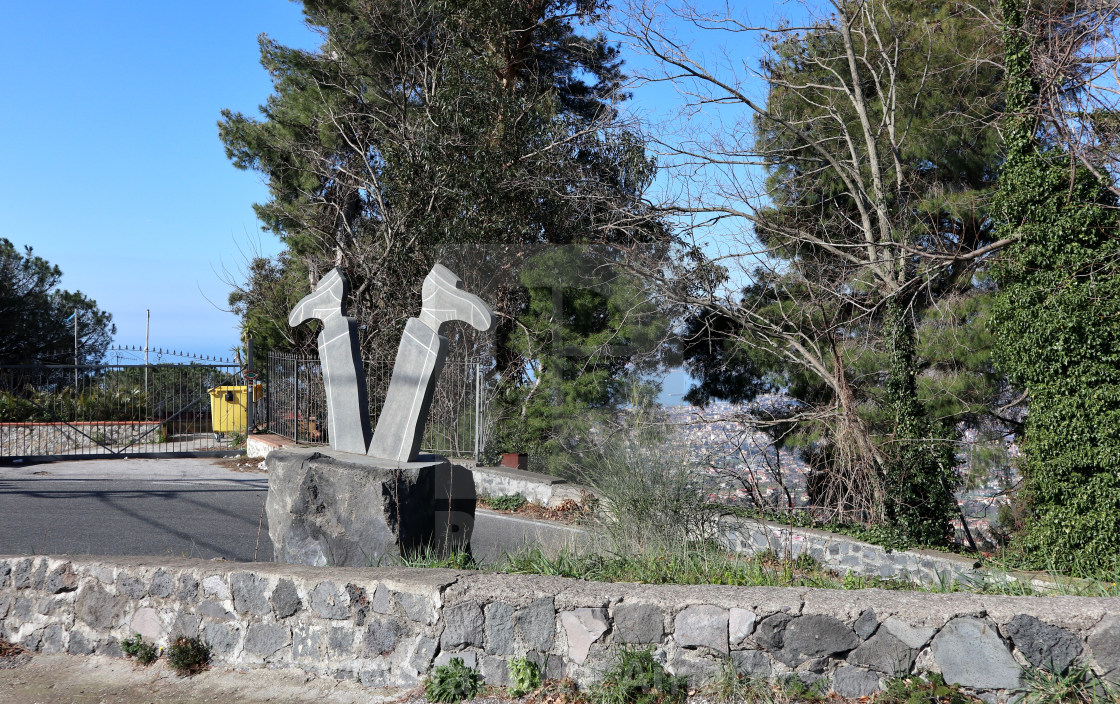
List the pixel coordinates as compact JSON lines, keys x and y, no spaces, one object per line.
{"x":69,"y":679}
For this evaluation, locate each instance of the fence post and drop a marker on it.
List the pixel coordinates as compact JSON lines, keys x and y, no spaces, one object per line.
{"x":250,"y":380}
{"x":295,"y":400}
{"x":477,"y":408}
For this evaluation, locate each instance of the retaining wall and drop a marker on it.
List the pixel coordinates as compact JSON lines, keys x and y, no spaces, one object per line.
{"x":18,"y":439}
{"x":388,"y":626}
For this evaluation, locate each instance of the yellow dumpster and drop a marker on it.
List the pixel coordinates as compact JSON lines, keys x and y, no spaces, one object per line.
{"x":228,"y":407}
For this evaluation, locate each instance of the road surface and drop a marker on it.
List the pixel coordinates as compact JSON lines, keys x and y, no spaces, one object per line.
{"x":197,"y":507}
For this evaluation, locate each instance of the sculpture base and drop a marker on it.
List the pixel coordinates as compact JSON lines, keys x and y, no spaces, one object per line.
{"x":348,"y":510}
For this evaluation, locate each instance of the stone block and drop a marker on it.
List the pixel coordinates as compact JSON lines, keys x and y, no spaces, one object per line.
{"x":53,"y":640}
{"x":215,"y":586}
{"x":638,"y":623}
{"x":347,"y":510}
{"x":463,"y":626}
{"x":5,"y":572}
{"x":98,"y":608}
{"x":132,"y":587}
{"x":163,"y":584}
{"x":970,"y":653}
{"x":913,"y":636}
{"x":21,"y":574}
{"x":39,"y":576}
{"x":422,"y":654}
{"x":704,"y":626}
{"x":78,"y":644}
{"x":223,"y":639}
{"x":1043,"y":644}
{"x":740,"y":624}
{"x":188,"y":588}
{"x":495,"y":671}
{"x":866,"y":625}
{"x":884,"y":653}
{"x":382,"y":635}
{"x":264,"y":639}
{"x":752,"y":662}
{"x":770,"y":631}
{"x":417,"y":607}
{"x":535,"y":624}
{"x":340,"y":640}
{"x":381,"y":602}
{"x":329,"y":601}
{"x":444,"y":658}
{"x":249,"y":593}
{"x":61,"y":579}
{"x":285,"y":599}
{"x":186,"y":624}
{"x":1104,"y":641}
{"x":145,"y":621}
{"x":499,"y":628}
{"x":215,"y":611}
{"x":815,"y":636}
{"x":582,"y":628}
{"x":307,"y":643}
{"x":853,"y":683}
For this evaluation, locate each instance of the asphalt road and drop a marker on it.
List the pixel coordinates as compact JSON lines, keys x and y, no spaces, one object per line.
{"x":180,"y":507}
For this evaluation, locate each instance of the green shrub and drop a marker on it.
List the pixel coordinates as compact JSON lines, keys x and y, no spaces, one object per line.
{"x":526,"y":676}
{"x":136,"y":647}
{"x":509,"y":502}
{"x":928,"y":689}
{"x":453,"y":682}
{"x":636,"y":678}
{"x":188,"y":656}
{"x":1078,"y":685}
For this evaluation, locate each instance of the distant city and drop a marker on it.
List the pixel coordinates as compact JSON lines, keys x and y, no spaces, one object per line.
{"x":742,"y":466}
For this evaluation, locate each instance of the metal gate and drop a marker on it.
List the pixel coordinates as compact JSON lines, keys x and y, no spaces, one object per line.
{"x":67,"y":412}
{"x":296,"y":405}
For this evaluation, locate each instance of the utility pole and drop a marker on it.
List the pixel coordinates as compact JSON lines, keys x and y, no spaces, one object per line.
{"x":147,"y":331}
{"x":75,"y":352}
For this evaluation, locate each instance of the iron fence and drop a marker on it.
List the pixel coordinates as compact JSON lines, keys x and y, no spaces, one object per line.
{"x":295,"y":404}
{"x":61,"y":411}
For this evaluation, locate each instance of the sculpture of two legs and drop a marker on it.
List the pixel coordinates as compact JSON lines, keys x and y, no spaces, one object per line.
{"x":420,"y":358}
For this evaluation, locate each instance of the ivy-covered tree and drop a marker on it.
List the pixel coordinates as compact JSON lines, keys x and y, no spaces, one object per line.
{"x":1057,"y":325}
{"x":37,"y":317}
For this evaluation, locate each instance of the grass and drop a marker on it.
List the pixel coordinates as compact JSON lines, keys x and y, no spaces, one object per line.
{"x":1076,"y":686}
{"x":188,"y":656}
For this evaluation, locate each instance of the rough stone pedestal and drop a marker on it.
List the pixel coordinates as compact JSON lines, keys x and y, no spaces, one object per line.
{"x":348,"y":510}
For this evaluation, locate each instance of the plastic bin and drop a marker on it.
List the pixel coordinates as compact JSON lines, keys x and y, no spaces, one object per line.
{"x":228,"y":407}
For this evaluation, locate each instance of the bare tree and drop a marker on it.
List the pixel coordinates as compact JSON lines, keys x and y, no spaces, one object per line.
{"x":843,"y":179}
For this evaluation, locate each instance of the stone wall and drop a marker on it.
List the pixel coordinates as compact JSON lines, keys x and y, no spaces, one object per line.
{"x":388,"y":626}
{"x":25,"y":439}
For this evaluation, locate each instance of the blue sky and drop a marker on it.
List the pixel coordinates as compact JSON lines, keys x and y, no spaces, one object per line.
{"x":112,"y":167}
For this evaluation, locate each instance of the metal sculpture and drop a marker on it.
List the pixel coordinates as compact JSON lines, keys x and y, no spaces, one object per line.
{"x":420,"y":358}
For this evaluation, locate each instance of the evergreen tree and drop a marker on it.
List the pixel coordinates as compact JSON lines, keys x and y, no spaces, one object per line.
{"x":37,"y":317}
{"x":473,"y":133}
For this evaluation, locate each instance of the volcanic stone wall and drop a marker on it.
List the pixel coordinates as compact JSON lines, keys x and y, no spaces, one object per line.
{"x":389,"y":626}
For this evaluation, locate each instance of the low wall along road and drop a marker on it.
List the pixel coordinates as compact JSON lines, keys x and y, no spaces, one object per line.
{"x":389,"y":626}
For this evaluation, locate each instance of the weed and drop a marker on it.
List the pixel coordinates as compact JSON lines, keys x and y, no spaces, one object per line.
{"x":453,"y":682}
{"x":431,"y":558}
{"x":792,"y":689}
{"x":135,"y":647}
{"x":188,"y":656}
{"x":928,"y":689}
{"x":636,"y":678}
{"x":526,"y":676}
{"x":562,"y":691}
{"x":509,"y":502}
{"x":731,"y":684}
{"x":1077,"y":686}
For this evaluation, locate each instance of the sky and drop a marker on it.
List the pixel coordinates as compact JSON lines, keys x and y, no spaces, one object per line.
{"x":112,"y":166}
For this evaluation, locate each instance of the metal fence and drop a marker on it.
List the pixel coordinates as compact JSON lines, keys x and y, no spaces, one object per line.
{"x":59,"y":411}
{"x":296,"y":407}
